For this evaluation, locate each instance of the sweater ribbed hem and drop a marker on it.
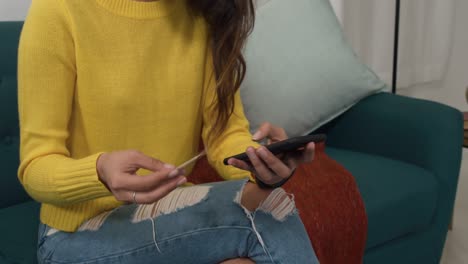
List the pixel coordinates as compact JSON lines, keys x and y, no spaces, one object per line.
{"x":79,"y":181}
{"x":139,"y":9}
{"x":70,"y":218}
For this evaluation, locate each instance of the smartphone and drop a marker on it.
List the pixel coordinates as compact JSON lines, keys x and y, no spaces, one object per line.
{"x":288,"y":145}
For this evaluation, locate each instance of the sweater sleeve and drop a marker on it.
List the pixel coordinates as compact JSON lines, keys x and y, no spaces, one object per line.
{"x":233,"y":140}
{"x":46,"y":82}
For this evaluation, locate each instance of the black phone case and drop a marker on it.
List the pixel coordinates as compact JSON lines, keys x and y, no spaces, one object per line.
{"x":288,"y":145}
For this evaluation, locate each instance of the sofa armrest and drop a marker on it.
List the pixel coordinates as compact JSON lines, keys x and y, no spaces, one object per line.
{"x":420,"y":132}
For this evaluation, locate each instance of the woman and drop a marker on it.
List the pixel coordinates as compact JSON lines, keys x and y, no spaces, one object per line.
{"x":103,"y":81}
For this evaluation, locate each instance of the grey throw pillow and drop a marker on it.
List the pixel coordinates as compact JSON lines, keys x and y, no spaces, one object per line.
{"x":301,"y":72}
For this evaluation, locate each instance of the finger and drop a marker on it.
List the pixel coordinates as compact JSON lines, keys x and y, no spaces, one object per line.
{"x":274,"y":163}
{"x":240,"y":164}
{"x":274,"y":133}
{"x":144,"y":183}
{"x":260,"y":168}
{"x":161,"y":191}
{"x":309,"y":153}
{"x":262,"y":132}
{"x":140,"y":160}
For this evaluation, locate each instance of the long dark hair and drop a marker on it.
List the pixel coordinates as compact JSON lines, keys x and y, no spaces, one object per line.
{"x":230,"y":23}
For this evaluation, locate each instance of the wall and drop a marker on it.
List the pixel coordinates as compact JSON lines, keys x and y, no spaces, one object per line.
{"x":451,"y":90}
{"x":13,"y":10}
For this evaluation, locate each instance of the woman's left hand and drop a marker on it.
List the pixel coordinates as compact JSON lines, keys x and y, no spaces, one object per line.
{"x":267,"y":167}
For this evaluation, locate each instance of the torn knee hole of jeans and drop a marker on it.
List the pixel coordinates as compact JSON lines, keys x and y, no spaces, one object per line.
{"x":95,"y":223}
{"x":278,"y":203}
{"x":173,"y":202}
{"x":176,"y":200}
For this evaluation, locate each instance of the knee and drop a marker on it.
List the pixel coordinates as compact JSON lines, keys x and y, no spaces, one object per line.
{"x":277,"y":201}
{"x":252,"y":196}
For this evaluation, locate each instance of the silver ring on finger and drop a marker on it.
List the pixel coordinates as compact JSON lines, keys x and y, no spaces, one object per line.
{"x":134,"y":198}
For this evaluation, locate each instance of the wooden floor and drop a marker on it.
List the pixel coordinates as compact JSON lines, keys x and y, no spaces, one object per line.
{"x":456,"y":247}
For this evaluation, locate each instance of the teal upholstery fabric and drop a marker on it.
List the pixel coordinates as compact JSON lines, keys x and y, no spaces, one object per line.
{"x":9,"y":131}
{"x":400,"y":198}
{"x":19,"y":217}
{"x":418,"y":132}
{"x":420,"y":247}
{"x":18,"y":229}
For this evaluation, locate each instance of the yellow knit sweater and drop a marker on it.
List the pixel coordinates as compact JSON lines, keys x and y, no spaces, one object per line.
{"x":104,"y":75}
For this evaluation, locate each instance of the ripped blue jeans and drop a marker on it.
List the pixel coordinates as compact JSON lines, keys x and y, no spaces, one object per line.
{"x":198,"y":224}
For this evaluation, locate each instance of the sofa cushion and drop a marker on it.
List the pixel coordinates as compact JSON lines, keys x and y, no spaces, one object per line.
{"x":399,"y":198}
{"x":18,"y":243}
{"x":301,"y":72}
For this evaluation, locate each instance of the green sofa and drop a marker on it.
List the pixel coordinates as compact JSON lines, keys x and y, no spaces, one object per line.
{"x":404,"y":153}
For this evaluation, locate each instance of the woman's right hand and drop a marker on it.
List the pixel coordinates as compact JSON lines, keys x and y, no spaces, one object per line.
{"x":117,"y":170}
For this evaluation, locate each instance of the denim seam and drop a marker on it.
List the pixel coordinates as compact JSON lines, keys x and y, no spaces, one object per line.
{"x":47,"y":258}
{"x":151,"y":244}
{"x":42,"y":236}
